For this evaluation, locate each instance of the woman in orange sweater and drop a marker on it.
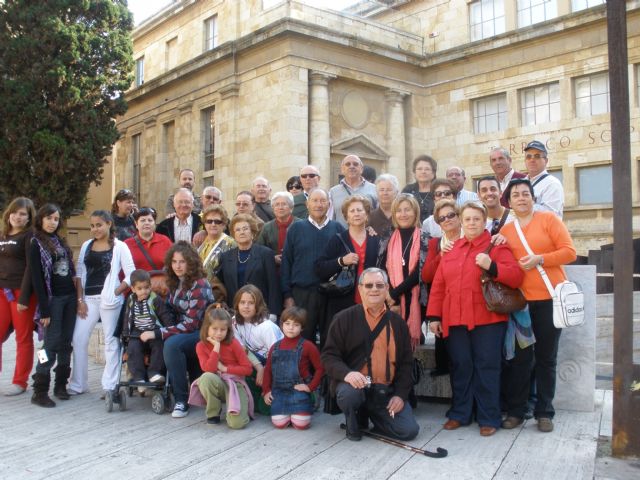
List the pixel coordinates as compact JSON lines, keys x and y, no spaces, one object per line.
{"x":552,"y":246}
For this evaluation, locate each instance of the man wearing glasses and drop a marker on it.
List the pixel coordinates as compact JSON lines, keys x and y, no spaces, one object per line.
{"x":458,"y":177}
{"x":368,"y":358}
{"x":310,"y":179}
{"x":246,"y":203}
{"x":187,"y":180}
{"x":211,"y":196}
{"x":547,"y":188}
{"x":352,"y":183}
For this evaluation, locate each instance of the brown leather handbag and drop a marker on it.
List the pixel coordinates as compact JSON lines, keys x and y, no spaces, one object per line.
{"x":499,"y":297}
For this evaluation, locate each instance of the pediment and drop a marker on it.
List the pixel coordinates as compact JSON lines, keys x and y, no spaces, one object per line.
{"x":360,"y":145}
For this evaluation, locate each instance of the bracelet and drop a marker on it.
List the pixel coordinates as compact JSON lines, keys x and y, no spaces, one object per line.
{"x":340,"y":262}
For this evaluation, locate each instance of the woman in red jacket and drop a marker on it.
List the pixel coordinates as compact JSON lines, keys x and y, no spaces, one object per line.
{"x":475,"y":335}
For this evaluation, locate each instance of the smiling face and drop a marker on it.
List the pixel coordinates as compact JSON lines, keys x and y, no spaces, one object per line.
{"x":242,"y":234}
{"x":520,"y":199}
{"x":19,"y":219}
{"x":183,"y":204}
{"x":489,"y":193}
{"x":309,"y":177}
{"x":318,"y":205}
{"x":146,"y":225}
{"x":125,"y":207}
{"x":373,"y":290}
{"x":473,"y":223}
{"x":218,"y":330}
{"x":455,"y":174}
{"x":247,"y":306}
{"x":50,"y":222}
{"x":291,"y":328}
{"x":500,"y":163}
{"x":261,"y":190}
{"x":99,"y":228}
{"x":405,"y":215}
{"x":535,"y":161}
{"x":448,"y":220}
{"x":281,"y":209}
{"x":386,"y":193}
{"x":179,"y":265}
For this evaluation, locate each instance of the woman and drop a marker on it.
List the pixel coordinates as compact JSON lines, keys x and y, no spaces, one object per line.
{"x":354,"y":248}
{"x":294,"y":185}
{"x":250,"y":263}
{"x":216,"y":242}
{"x":274,"y":232}
{"x":403,"y":258}
{"x":443,"y":189}
{"x":189,"y":295}
{"x":446,"y":215}
{"x":475,"y":335}
{"x":424,"y":171}
{"x":122,"y":209}
{"x":148,"y":249}
{"x":552,"y":246}
{"x":100,"y":297}
{"x":380,"y":219}
{"x":17,"y":305}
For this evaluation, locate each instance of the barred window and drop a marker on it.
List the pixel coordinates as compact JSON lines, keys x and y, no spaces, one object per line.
{"x":592,"y":94}
{"x":486,"y":19}
{"x":540,"y":104}
{"x":536,"y":11}
{"x":211,"y":33}
{"x":490,"y":113}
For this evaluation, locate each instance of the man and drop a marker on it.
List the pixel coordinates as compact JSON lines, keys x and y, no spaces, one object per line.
{"x":547,"y":188}
{"x":353,"y":182}
{"x":458,"y":177}
{"x":387,"y":188}
{"x":500,"y":162}
{"x":369,"y":359}
{"x":261,"y":190}
{"x":304,"y":244}
{"x":211,"y":196}
{"x":245,"y":203}
{"x":185,"y":223}
{"x":187,"y":179}
{"x":490,"y":195}
{"x":273,"y":233}
{"x":310,"y":179}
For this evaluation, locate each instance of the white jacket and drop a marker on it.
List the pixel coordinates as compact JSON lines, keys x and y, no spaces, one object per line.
{"x":121,"y":261}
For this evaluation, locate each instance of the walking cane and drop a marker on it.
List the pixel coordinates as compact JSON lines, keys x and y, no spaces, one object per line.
{"x":439,"y":453}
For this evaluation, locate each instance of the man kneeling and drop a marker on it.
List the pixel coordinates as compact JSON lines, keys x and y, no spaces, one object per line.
{"x":368,"y":357}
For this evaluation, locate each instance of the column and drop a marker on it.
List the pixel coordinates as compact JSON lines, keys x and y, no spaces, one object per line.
{"x":319,"y":131}
{"x":396,"y":147}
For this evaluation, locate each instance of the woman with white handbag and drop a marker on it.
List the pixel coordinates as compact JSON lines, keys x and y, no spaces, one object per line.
{"x":542,"y":247}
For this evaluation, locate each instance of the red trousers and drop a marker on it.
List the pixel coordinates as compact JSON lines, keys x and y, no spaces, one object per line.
{"x":23,"y":325}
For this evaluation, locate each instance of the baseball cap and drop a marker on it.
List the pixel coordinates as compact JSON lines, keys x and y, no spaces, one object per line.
{"x":537,"y":145}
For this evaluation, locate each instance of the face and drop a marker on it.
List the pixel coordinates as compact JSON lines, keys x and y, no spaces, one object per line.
{"x":473,"y":223}
{"x":448,"y":220}
{"x":318,"y":205}
{"x":99,"y":228}
{"x":210,"y":197}
{"x":213,"y":224}
{"x":356,"y":214}
{"x":373,"y":290}
{"x":179,"y":265}
{"x":489,"y":193}
{"x":218,"y":330}
{"x":309,"y":177}
{"x":424,"y":172}
{"x":50,"y":222}
{"x":187,"y":179}
{"x":535,"y":161}
{"x":351,"y":167}
{"x":455,"y":174}
{"x":244,"y":204}
{"x":291,"y":329}
{"x":19,"y":219}
{"x":242,"y":233}
{"x":281,"y":208}
{"x":405,"y":216}
{"x":521,"y":200}
{"x":499,"y":163}
{"x":183,"y":203}
{"x":261,"y":190}
{"x":294,"y":188}
{"x":247,"y":306}
{"x":443,"y":192}
{"x":146,"y":225}
{"x":142,"y":290}
{"x":125,"y":207}
{"x":386,"y":192}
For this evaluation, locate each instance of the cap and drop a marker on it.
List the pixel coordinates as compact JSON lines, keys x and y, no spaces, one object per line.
{"x":537,"y":145}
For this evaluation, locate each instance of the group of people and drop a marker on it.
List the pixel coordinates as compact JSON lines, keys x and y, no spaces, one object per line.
{"x":240,"y":309}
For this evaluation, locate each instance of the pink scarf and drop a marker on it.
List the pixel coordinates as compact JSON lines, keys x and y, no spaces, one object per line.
{"x":394,"y":269}
{"x":233,"y":405}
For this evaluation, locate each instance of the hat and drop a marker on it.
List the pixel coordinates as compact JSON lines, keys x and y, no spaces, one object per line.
{"x":537,"y":145}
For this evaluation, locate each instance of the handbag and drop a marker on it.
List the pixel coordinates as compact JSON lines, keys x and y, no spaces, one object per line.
{"x":158,"y":281}
{"x":568,"y":299}
{"x":499,"y":297}
{"x":342,"y":282}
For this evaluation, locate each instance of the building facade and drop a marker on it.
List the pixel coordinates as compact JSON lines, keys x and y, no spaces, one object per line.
{"x":239,"y":88}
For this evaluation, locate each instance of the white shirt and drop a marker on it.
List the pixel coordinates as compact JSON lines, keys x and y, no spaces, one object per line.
{"x":465,"y":196}
{"x":431,"y":228}
{"x":319,"y":226}
{"x":257,"y":337}
{"x":182,"y":230}
{"x":549,"y":193}
{"x":505,"y":181}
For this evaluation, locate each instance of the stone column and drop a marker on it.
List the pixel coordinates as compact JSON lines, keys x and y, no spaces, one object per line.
{"x":396,"y":148}
{"x":319,"y":131}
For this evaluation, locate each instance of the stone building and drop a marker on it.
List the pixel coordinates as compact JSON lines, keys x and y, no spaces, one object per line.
{"x":237,"y":88}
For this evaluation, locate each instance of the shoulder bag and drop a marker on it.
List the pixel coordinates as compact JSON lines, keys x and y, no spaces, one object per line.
{"x":158,"y":281}
{"x":499,"y":297}
{"x":340,"y":283}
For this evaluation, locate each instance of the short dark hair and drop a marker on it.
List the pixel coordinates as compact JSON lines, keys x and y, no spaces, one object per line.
{"x":143,"y":212}
{"x":295,"y":314}
{"x":424,"y":158}
{"x":488,"y":178}
{"x":139,"y":276}
{"x":519,"y":181}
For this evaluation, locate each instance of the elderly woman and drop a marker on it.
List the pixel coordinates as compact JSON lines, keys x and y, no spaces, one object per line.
{"x":551,"y":244}
{"x":443,"y":189}
{"x":215,"y":220}
{"x":250,"y":263}
{"x":457,"y":311}
{"x":274,"y":232}
{"x":424,"y":171}
{"x":354,"y":248}
{"x":387,"y":188}
{"x":122,"y":210}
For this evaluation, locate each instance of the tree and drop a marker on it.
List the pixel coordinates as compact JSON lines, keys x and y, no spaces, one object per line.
{"x":64,"y":66}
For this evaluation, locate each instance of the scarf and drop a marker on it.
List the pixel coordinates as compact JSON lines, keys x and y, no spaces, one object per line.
{"x":233,"y":402}
{"x":282,"y":232}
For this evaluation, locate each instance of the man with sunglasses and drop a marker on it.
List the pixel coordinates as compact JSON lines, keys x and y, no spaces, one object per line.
{"x":548,"y":191}
{"x":352,"y":183}
{"x":211,"y":196}
{"x":369,"y":359}
{"x":310,"y":179}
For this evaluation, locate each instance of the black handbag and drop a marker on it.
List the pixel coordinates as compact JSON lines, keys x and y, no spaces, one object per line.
{"x":342,"y":282}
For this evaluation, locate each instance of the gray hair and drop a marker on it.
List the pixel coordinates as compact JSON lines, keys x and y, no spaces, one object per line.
{"x":392,"y":179}
{"x":260,"y":178}
{"x":286,"y":195}
{"x":185,"y":191}
{"x":213,"y":189}
{"x":321,"y":189}
{"x":502,"y":150}
{"x":373,"y":270}
{"x":459,"y":168}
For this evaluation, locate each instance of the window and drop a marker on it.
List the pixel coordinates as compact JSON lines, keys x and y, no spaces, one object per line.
{"x":595,"y":185}
{"x":209,"y":131}
{"x":490,"y":114}
{"x":540,"y":104}
{"x":211,"y":33}
{"x":582,"y":4}
{"x":136,"y":158}
{"x":171,"y":53}
{"x":486,"y":19}
{"x":592,"y":94}
{"x":139,"y":71}
{"x":558,"y":174}
{"x":535,"y":11}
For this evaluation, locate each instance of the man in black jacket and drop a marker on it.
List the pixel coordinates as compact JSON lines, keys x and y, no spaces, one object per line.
{"x":368,"y":358}
{"x":185,"y":223}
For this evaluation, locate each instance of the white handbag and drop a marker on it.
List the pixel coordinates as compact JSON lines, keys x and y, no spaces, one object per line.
{"x":568,"y":299}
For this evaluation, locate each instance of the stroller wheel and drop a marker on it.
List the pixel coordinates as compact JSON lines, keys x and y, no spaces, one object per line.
{"x":169,"y":402}
{"x":130,"y":391}
{"x":108,"y":401}
{"x":122,"y":399}
{"x":157,"y":403}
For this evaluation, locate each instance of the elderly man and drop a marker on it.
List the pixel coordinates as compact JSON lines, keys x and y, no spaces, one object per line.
{"x":211,"y":196}
{"x":187,"y":179}
{"x":261,"y":189}
{"x":490,"y":195}
{"x":185,"y":223}
{"x":387,"y":188}
{"x":353,"y":182}
{"x":274,"y":232}
{"x":246,"y":203}
{"x":500,"y":162}
{"x":304,"y":244}
{"x":458,"y":177}
{"x":368,"y":358}
{"x":547,"y":188}
{"x":310,"y":179}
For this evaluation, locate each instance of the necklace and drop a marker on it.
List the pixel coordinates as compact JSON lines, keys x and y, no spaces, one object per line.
{"x":404,"y":252}
{"x":246,"y":259}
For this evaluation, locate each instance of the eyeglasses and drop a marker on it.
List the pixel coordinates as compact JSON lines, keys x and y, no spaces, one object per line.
{"x":295,"y":185}
{"x":377,"y":286}
{"x":448,"y":216}
{"x":537,"y":156}
{"x":212,"y":197}
{"x":446,"y":193}
{"x":241,"y":229}
{"x":243,"y":204}
{"x":215,"y":221}
{"x":308,"y":175}
{"x":350,"y":164}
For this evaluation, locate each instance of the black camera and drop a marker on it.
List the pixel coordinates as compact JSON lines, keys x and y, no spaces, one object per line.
{"x":379,"y":394}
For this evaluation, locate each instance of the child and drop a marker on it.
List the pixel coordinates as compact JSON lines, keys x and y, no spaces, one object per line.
{"x":145,"y":312}
{"x":257,"y":334}
{"x":225,"y":364}
{"x":292,"y":372}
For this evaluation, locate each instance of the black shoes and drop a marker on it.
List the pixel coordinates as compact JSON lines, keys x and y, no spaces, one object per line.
{"x":213,"y":420}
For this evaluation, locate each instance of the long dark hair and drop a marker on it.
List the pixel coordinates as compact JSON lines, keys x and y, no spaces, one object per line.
{"x":106,"y":217}
{"x":194,"y":266}
{"x":15,"y":205}
{"x":43,"y":237}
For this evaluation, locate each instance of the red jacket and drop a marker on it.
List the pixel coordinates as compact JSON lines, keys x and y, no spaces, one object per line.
{"x":456,"y":293}
{"x":432,"y":262}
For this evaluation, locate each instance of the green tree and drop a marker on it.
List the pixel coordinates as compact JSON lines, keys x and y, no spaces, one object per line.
{"x":64,"y":65}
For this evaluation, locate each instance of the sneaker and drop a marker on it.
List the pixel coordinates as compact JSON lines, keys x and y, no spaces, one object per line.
{"x":545,"y":424}
{"x":73,"y":392}
{"x":512,"y":422}
{"x":13,"y":390}
{"x":181,"y":410}
{"x":157,"y":378}
{"x":213,"y":420}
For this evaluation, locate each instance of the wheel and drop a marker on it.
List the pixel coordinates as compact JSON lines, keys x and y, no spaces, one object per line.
{"x":157,"y":403}
{"x":108,"y":401}
{"x":130,"y":391}
{"x":122,"y":399}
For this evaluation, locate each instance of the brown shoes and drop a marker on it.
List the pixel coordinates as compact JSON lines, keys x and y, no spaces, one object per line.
{"x":487,"y":431}
{"x":545,"y":424}
{"x":512,"y":422}
{"x":452,"y":425}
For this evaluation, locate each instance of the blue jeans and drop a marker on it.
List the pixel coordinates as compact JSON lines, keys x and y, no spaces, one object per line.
{"x":181,"y":360}
{"x":59,"y":333}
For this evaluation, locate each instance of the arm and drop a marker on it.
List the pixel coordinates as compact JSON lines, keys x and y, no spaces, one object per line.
{"x":551,"y":198}
{"x":26,"y":286}
{"x":431,"y":263}
{"x":311,"y":351}
{"x":37,"y":275}
{"x":436,"y":296}
{"x":127,"y":266}
{"x":165,"y":316}
{"x":508,"y":269}
{"x":199,"y":297}
{"x":126,"y":320}
{"x":407,"y":284}
{"x":287,"y":262}
{"x":243,"y":366}
{"x":402,"y":381}
{"x":332,"y":354}
{"x":564,"y":251}
{"x":275,"y":296}
{"x":328,"y":263}
{"x":266,"y":379}
{"x":207,"y":357}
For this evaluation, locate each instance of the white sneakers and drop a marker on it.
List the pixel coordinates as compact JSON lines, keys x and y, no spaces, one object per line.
{"x":181,"y":410}
{"x":13,"y":390}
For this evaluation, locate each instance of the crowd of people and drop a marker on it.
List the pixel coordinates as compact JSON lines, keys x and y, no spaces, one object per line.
{"x":301,"y":295}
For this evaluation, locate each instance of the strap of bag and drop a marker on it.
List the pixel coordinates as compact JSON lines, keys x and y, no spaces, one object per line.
{"x":540,"y":179}
{"x":344,"y":243}
{"x":543,"y":274}
{"x":384,"y":322}
{"x":145,"y":253}
{"x":212,"y":251}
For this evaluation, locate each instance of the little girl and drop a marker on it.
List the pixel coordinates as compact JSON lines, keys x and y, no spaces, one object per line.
{"x":225,"y":364}
{"x":292,"y":372}
{"x":257,"y":334}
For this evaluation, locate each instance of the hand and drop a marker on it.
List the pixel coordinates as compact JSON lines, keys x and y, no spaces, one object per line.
{"x":371,"y":231}
{"x":82,"y":310}
{"x":356,"y":380}
{"x":350,"y":259}
{"x":530,"y":261}
{"x":222,"y":367}
{"x":21,"y":308}
{"x":198,"y":238}
{"x":278,"y":259}
{"x":414,"y":343}
{"x":170,"y":215}
{"x":214,"y":343}
{"x":483,"y":261}
{"x":149,"y":335}
{"x":289,"y":302}
{"x":448,"y":245}
{"x":259,"y":375}
{"x":45,"y":321}
{"x":395,"y":405}
{"x":302,"y":387}
{"x":436,"y":328}
{"x":268,"y":398}
{"x":395,"y":309}
{"x":498,"y":239}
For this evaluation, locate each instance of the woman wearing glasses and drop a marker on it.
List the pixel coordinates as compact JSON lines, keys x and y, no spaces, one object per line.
{"x":442,"y":189}
{"x":294,"y":187}
{"x":424,"y":171}
{"x":216,"y":242}
{"x":122,"y":209}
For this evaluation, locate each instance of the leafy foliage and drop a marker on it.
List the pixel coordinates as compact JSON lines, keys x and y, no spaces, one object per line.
{"x":64,"y":65}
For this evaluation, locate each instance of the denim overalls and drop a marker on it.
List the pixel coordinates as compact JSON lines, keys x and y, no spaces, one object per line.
{"x":285,"y":374}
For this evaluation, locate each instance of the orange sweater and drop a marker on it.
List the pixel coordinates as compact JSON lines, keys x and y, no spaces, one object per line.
{"x":546,"y":236}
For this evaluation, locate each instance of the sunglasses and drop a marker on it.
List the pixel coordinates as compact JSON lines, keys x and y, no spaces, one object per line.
{"x":295,"y":185}
{"x":377,"y":286}
{"x":446,"y":193}
{"x":215,"y":221}
{"x":308,"y":175}
{"x":448,"y":216}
